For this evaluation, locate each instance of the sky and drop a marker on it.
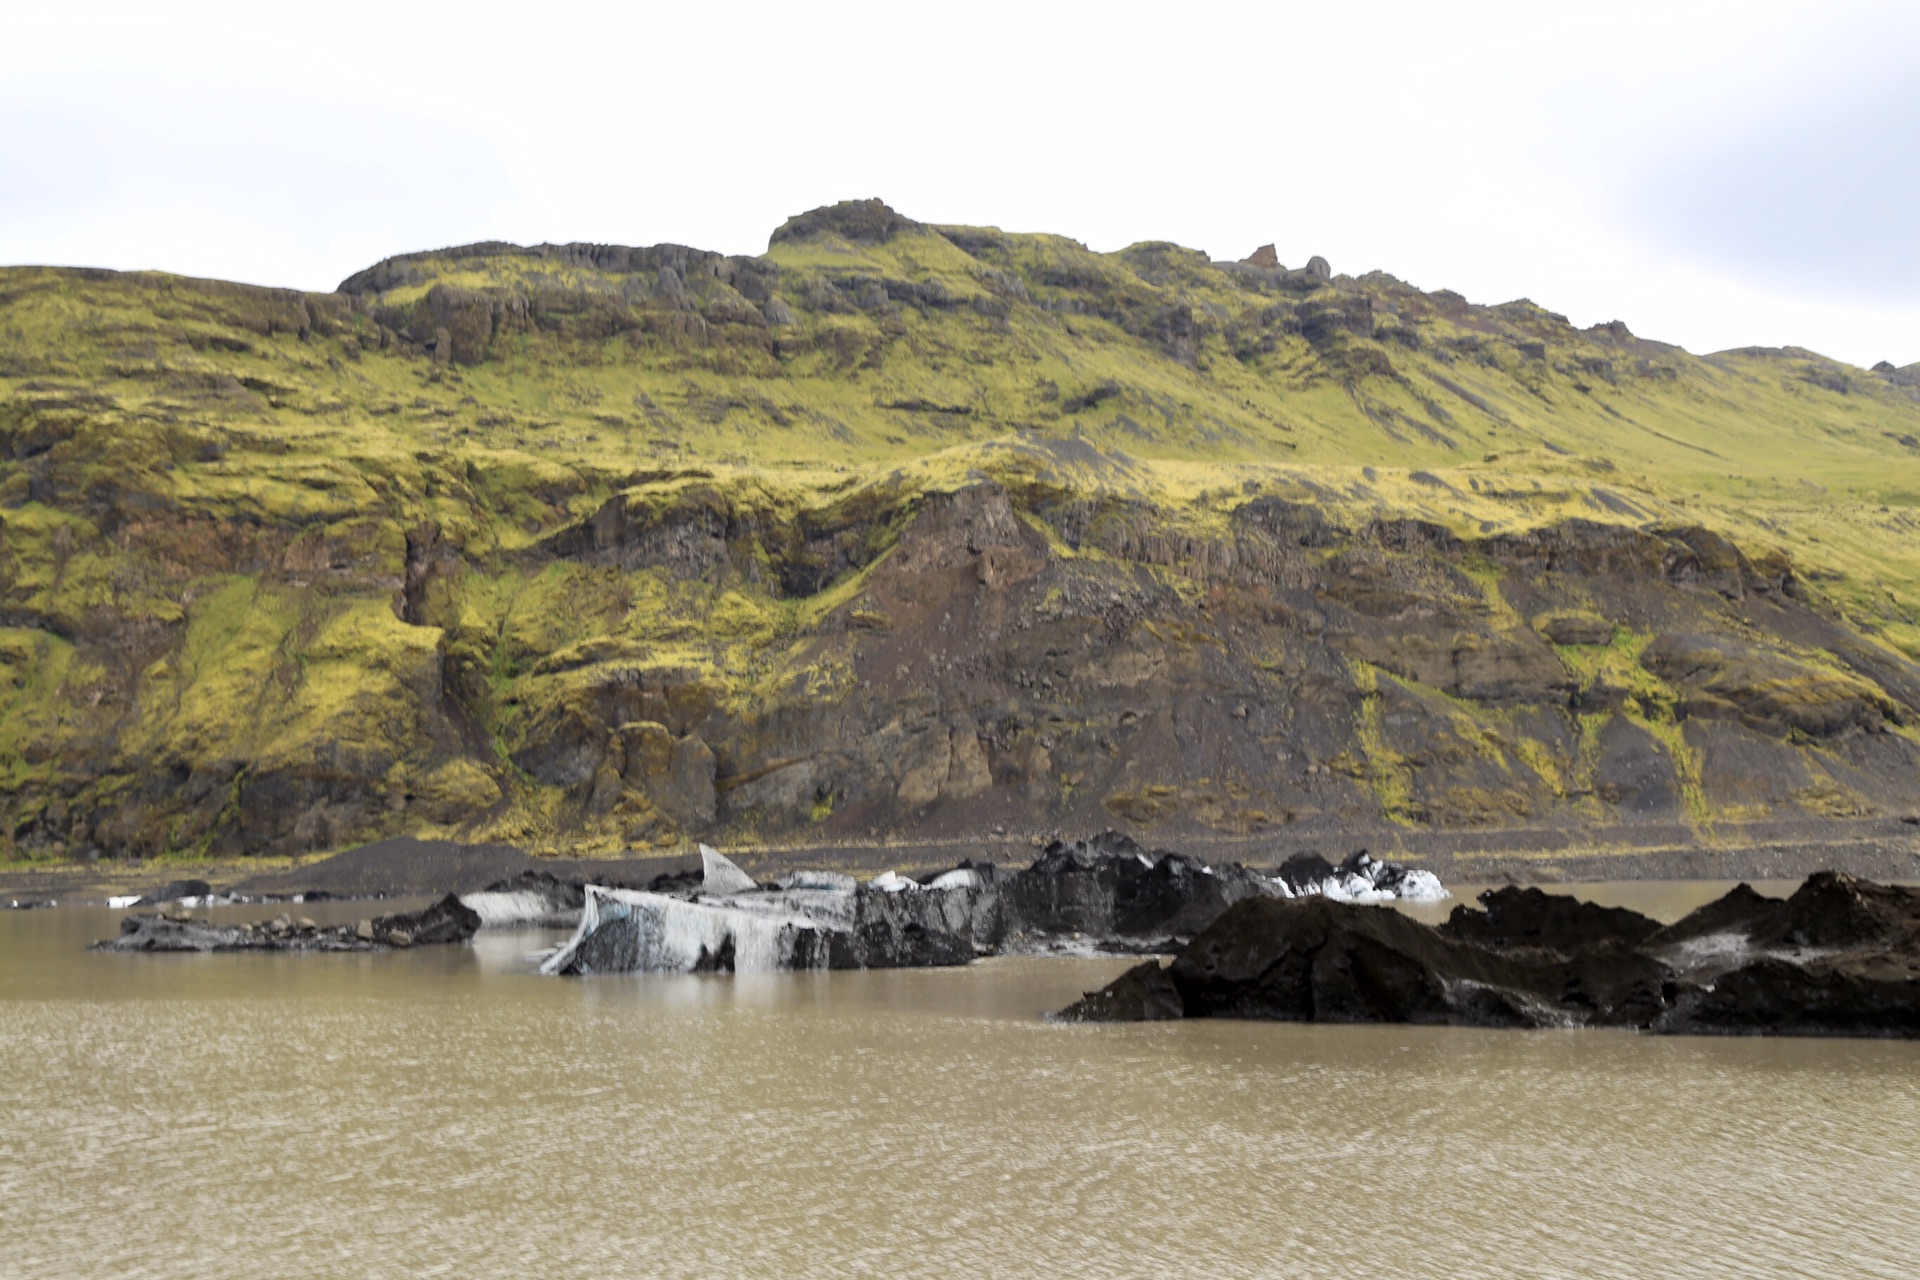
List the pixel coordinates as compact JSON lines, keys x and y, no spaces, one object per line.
{"x":1714,"y":174}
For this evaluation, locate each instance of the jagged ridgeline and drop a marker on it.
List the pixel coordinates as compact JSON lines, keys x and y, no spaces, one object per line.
{"x":906,"y":531}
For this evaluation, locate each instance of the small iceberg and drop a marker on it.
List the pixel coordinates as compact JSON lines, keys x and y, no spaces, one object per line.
{"x":810,"y":920}
{"x":1361,"y":878}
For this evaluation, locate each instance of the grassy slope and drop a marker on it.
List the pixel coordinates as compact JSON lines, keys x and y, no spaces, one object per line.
{"x":155,"y":423}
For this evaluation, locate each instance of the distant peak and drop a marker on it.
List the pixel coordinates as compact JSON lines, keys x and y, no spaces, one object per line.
{"x":861,"y":221}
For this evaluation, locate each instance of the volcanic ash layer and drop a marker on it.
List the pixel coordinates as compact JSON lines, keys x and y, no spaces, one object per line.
{"x":1841,"y":957}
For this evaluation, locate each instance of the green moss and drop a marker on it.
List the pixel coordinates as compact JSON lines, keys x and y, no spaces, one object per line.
{"x":1386,"y":771}
{"x":241,"y":471}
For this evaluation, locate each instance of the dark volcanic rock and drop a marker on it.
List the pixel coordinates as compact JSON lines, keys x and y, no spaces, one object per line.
{"x":1833,"y":910}
{"x":446,"y":921}
{"x":1860,"y":996}
{"x":1514,"y":917}
{"x":1144,"y":993}
{"x":1315,"y":960}
{"x":1739,"y":910}
{"x":1840,"y":957}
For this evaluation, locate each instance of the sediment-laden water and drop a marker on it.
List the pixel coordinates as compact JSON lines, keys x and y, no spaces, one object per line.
{"x":445,"y":1112}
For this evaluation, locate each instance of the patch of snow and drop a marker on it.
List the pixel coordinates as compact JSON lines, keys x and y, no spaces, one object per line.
{"x":120,"y":902}
{"x":892,"y":882}
{"x":959,"y":878}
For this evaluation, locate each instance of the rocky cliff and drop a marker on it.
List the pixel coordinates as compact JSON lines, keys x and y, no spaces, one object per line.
{"x":903,"y":531}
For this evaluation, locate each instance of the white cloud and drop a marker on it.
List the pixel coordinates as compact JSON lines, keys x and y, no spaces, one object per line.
{"x":1715,"y":174}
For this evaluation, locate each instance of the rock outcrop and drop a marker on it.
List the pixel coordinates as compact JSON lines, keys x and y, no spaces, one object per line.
{"x":446,"y":921}
{"x":1840,"y":957}
{"x":931,"y":534}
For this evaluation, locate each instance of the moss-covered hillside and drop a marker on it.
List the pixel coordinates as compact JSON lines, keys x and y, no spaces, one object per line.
{"x":902,"y":530}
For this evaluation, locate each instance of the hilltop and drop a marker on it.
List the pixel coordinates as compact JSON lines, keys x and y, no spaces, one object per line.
{"x":904,"y":531}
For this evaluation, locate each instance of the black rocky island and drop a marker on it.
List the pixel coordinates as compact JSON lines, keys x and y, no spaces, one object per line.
{"x":1841,"y":957}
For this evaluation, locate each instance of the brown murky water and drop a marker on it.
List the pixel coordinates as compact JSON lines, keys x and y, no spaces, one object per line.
{"x":443,"y":1112}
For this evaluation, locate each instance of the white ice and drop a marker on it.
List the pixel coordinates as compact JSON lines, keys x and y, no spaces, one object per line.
{"x":120,"y":902}
{"x":721,"y":877}
{"x":959,"y":878}
{"x":836,"y":881}
{"x":892,"y":882}
{"x":673,"y":933}
{"x":500,"y":910}
{"x":1364,"y":886}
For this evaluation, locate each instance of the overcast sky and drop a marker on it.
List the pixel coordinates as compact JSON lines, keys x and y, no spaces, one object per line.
{"x":1714,"y":174}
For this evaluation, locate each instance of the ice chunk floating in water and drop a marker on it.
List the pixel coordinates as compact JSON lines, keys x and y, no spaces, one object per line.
{"x":627,"y":930}
{"x":1361,"y":878}
{"x":842,"y":926}
{"x":1096,"y":890}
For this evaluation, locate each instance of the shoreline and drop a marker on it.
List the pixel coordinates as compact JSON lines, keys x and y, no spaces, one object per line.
{"x":1885,"y":849}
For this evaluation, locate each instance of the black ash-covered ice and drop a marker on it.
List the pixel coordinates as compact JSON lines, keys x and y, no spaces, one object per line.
{"x":1105,"y":893}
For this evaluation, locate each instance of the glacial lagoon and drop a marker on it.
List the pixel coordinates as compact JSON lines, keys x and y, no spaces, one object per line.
{"x":448,"y":1112}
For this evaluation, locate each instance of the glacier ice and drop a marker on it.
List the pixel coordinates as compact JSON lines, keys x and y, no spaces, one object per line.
{"x":1361,"y":878}
{"x":500,"y":909}
{"x":835,"y":880}
{"x":721,"y":876}
{"x":627,"y":930}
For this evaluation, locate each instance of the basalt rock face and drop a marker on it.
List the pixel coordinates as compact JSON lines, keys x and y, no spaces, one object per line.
{"x":445,"y":922}
{"x":944,"y":535}
{"x":1840,"y":957}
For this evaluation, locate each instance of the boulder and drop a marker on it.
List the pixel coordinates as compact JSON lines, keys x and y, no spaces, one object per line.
{"x":446,"y":921}
{"x":1578,"y":629}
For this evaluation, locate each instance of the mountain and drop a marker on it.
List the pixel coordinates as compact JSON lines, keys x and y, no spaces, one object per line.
{"x":902,"y":531}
